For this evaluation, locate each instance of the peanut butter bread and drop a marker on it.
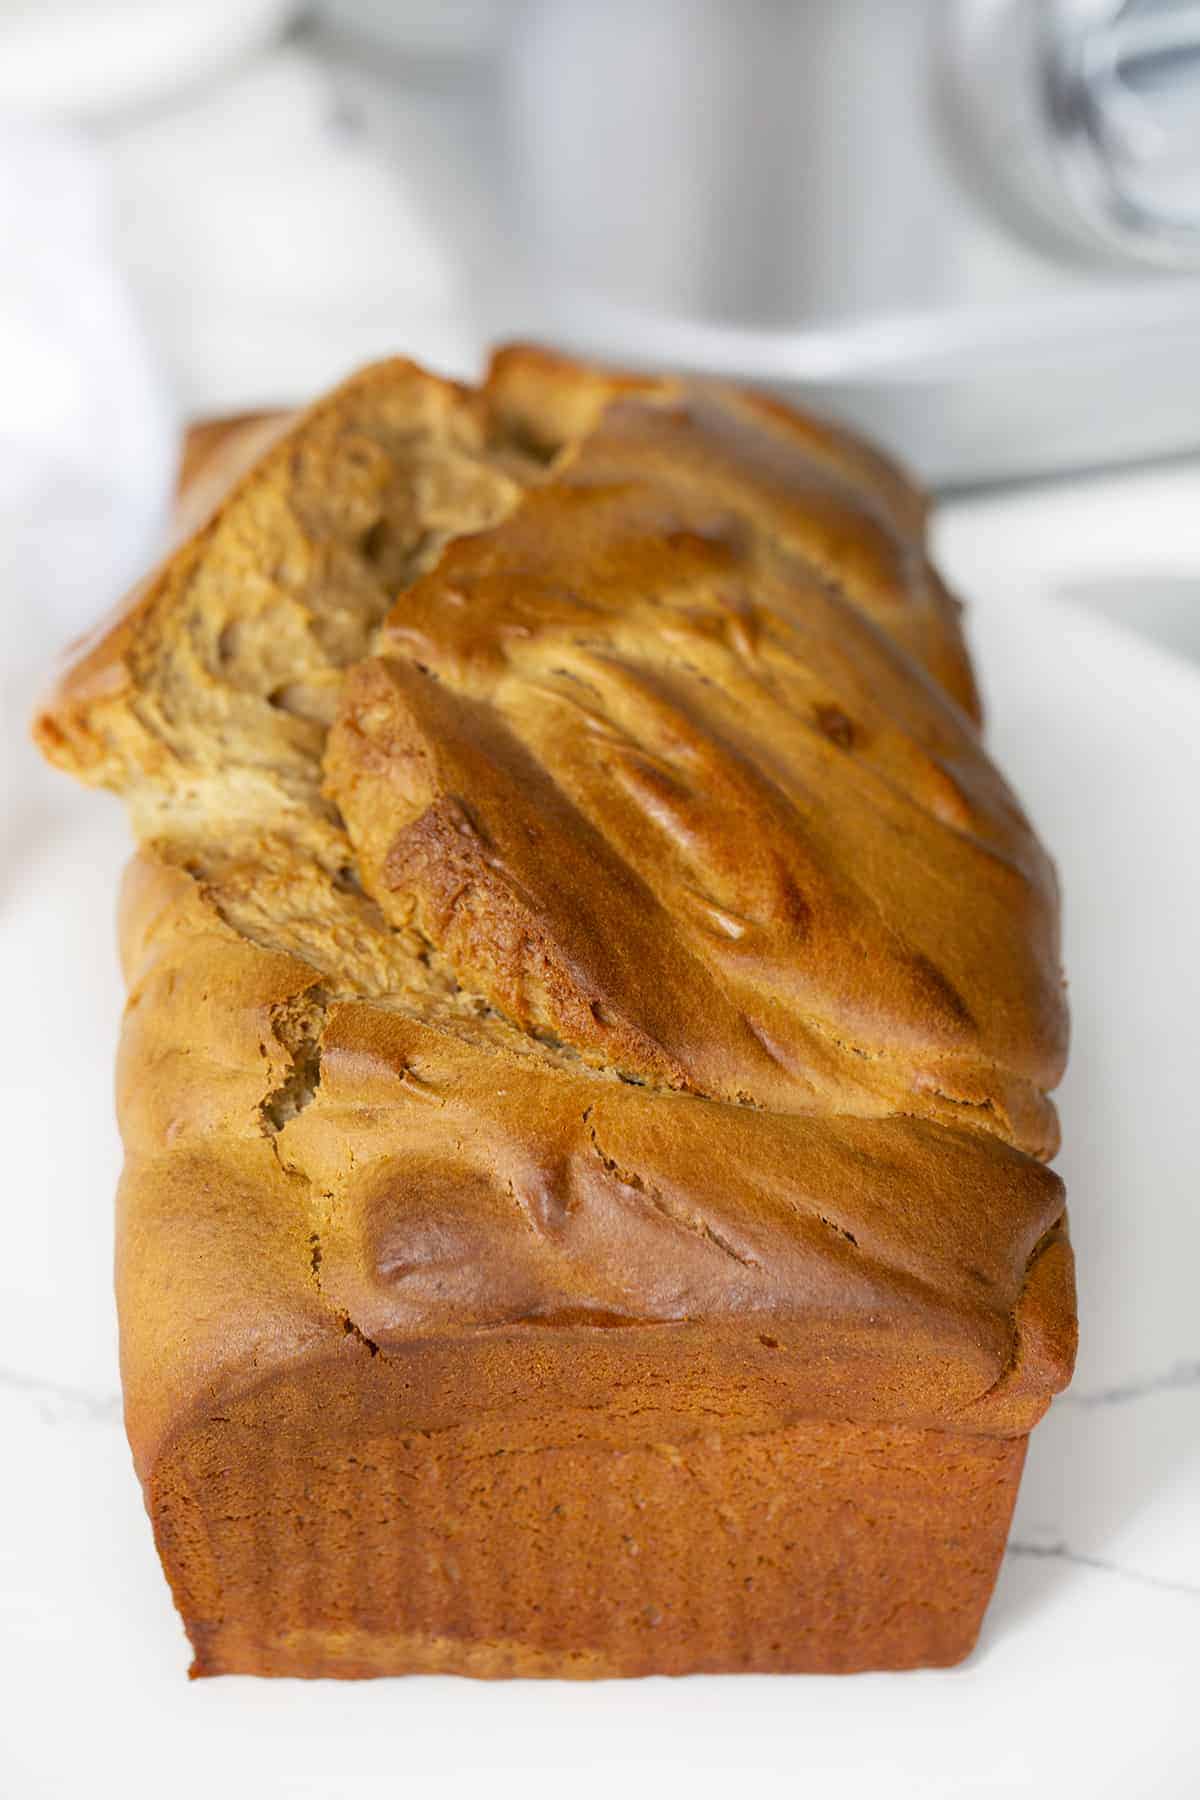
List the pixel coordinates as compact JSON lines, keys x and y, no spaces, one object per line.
{"x":592,"y":1009}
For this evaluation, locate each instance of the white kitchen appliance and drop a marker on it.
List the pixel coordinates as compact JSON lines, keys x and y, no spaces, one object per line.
{"x":973,"y":226}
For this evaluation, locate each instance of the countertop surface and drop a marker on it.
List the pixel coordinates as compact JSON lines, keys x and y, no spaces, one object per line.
{"x":1085,"y":620}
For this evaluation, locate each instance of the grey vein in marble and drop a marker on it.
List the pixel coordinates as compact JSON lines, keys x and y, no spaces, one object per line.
{"x":1182,"y":1374}
{"x":57,"y":1400}
{"x":1061,"y":1552}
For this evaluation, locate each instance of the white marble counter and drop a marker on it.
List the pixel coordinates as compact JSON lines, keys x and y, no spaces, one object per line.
{"x":1085,"y":1682}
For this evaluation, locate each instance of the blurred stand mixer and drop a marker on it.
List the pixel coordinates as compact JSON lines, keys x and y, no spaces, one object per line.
{"x":972,"y":226}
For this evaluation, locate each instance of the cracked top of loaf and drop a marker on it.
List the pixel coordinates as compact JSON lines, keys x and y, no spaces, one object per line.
{"x":569,"y":861}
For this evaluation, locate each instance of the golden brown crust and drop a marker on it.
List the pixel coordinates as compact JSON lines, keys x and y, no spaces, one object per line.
{"x":571,"y":707}
{"x":584,"y":972}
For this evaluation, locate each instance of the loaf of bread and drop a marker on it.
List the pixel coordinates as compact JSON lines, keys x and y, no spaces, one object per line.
{"x":592,"y":1005}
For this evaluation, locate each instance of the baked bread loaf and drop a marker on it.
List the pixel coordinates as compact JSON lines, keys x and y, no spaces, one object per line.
{"x":592,"y":1005}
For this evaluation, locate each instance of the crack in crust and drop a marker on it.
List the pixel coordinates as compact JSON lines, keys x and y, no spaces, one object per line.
{"x":297,"y":1024}
{"x":687,"y":1220}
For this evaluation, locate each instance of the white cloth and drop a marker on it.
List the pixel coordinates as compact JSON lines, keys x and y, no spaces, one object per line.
{"x":86,"y":434}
